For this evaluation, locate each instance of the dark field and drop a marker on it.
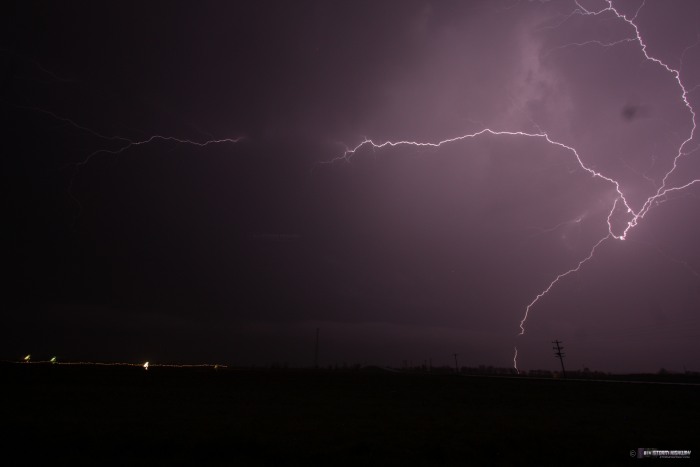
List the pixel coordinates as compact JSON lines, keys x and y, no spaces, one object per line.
{"x":97,"y":416}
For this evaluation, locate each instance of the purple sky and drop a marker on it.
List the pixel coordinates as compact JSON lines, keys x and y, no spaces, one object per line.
{"x":236,"y":252}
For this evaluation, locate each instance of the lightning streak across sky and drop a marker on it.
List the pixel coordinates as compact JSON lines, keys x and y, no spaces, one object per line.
{"x":621,"y":199}
{"x":127,"y":143}
{"x":573,"y":118}
{"x":124,"y":144}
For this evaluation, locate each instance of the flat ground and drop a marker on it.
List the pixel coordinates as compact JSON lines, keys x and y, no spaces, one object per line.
{"x":128,"y":416}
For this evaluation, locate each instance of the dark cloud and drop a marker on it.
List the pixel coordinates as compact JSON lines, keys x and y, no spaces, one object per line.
{"x":237,"y":252}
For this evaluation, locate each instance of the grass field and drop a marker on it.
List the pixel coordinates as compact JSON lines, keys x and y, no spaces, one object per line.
{"x":128,"y":416}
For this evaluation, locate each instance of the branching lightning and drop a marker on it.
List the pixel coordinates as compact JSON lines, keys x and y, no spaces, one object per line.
{"x":557,"y":279}
{"x":577,"y":220}
{"x":127,"y":143}
{"x":124,"y":145}
{"x":621,"y":200}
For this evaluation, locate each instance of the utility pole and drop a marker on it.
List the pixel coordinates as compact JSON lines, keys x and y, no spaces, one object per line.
{"x":456,"y":365}
{"x":316,"y":351}
{"x":558,"y":354}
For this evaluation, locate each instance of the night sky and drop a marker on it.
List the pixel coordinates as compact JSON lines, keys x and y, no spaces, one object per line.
{"x":235,"y":252}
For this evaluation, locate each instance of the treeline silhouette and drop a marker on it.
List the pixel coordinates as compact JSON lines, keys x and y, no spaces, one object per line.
{"x":662,"y":375}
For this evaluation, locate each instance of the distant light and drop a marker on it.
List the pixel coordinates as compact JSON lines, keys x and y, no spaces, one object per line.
{"x":27,"y":358}
{"x":145,"y":366}
{"x":53,"y":360}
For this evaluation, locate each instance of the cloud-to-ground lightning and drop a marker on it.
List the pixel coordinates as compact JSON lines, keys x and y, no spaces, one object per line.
{"x":557,"y":279}
{"x":621,"y":200}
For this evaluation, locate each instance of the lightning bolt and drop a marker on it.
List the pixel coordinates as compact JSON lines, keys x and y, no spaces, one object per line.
{"x":124,"y":144}
{"x":557,"y":279}
{"x":127,"y":143}
{"x":577,"y":220}
{"x":635,"y":216}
